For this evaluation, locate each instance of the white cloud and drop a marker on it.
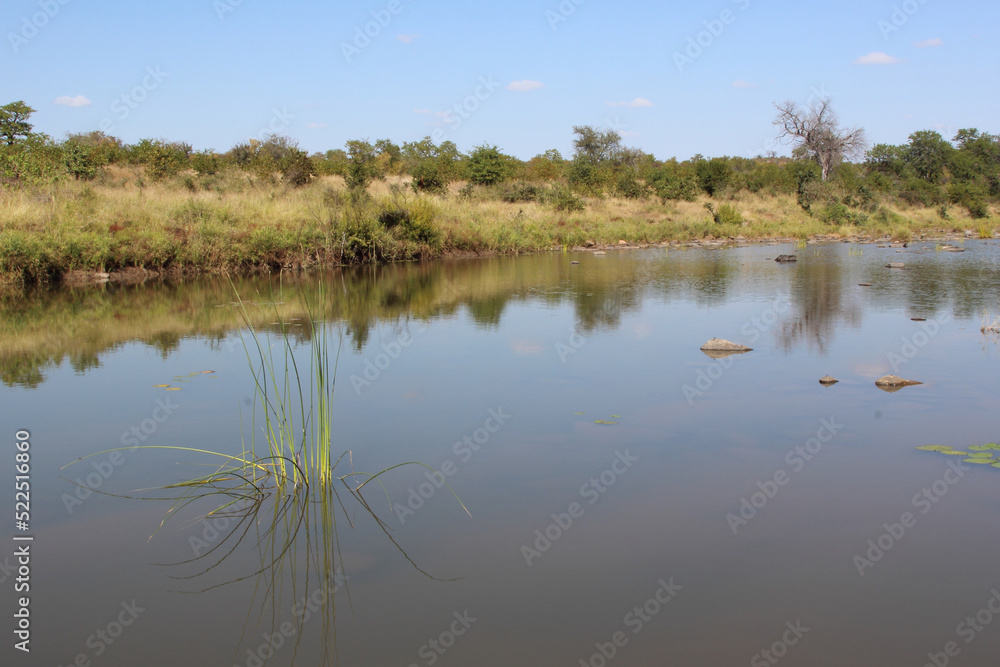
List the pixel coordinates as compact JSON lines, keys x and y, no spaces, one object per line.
{"x":525,"y":85}
{"x":929,"y":43}
{"x":877,"y":58}
{"x":315,"y":126}
{"x":78,"y":101}
{"x":421,"y":111}
{"x":406,"y":39}
{"x":744,"y":84}
{"x":636,"y":103}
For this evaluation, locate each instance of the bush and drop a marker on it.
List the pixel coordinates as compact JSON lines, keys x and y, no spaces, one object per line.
{"x":713,"y":175}
{"x":520,"y":191}
{"x":918,"y":192}
{"x":296,"y":168}
{"x":725,"y":215}
{"x":673,"y":181}
{"x":79,"y":161}
{"x":206,"y":162}
{"x":429,"y":177}
{"x":488,"y":166}
{"x":563,"y":199}
{"x":628,"y":186}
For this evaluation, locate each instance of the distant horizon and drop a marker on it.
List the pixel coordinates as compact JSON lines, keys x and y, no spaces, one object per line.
{"x":674,"y":81}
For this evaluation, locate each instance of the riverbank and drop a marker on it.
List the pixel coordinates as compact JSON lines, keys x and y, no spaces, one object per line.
{"x":125,"y":228}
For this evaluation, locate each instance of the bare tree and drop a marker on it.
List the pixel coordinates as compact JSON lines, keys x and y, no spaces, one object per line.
{"x":818,"y":134}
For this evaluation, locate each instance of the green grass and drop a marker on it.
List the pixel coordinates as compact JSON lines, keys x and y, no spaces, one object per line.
{"x":234,"y":223}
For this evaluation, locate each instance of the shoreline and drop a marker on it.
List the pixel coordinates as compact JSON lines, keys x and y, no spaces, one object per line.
{"x":76,"y":233}
{"x":141,"y":275}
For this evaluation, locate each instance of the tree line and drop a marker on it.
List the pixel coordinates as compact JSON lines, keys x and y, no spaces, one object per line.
{"x":831,"y":173}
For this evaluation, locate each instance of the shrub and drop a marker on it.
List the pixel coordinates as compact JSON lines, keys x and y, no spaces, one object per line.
{"x":628,"y":186}
{"x":488,"y":166}
{"x":713,"y":175}
{"x":520,"y":191}
{"x":429,"y":177}
{"x":725,"y":215}
{"x":563,"y":199}
{"x":79,"y":161}
{"x":206,"y":162}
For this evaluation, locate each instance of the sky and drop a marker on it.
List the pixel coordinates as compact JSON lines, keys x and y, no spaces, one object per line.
{"x":673,"y":78}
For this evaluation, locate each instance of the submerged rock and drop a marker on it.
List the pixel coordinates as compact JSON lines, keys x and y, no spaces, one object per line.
{"x":783,"y":259}
{"x":720,"y":347}
{"x":828,"y":381}
{"x":893,"y":383}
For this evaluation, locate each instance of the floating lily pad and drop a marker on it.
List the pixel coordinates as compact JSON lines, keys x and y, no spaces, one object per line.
{"x":989,"y":446}
{"x":160,"y":386}
{"x":996,"y":465}
{"x":615,"y":416}
{"x":603,"y":421}
{"x":172,"y":389}
{"x":981,"y":455}
{"x":206,"y":372}
{"x":577,"y":413}
{"x":937,"y":448}
{"x":982,"y":461}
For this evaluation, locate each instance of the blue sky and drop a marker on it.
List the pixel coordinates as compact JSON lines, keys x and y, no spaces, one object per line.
{"x":673,"y":78}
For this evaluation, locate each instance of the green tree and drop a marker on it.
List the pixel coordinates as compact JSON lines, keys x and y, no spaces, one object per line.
{"x":488,"y":166}
{"x":928,"y":154}
{"x":362,"y":166}
{"x":14,"y":123}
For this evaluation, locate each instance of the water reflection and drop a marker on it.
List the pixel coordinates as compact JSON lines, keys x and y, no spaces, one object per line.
{"x":45,"y":329}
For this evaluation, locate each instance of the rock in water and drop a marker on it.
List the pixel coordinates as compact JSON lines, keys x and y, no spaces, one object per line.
{"x":893,"y":383}
{"x":786,"y":258}
{"x":723,"y":345}
{"x":828,"y":381}
{"x":895,"y":265}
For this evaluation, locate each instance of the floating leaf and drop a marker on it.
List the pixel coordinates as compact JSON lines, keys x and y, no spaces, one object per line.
{"x":987,"y":447}
{"x":172,"y":389}
{"x":577,"y":413}
{"x":206,"y":372}
{"x":937,"y":448}
{"x":615,"y":416}
{"x":603,"y":421}
{"x":983,"y":461}
{"x":161,"y":386}
{"x":996,"y":465}
{"x":955,"y":452}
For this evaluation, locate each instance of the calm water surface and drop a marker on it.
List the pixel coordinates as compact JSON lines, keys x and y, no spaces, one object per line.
{"x":730,"y":500}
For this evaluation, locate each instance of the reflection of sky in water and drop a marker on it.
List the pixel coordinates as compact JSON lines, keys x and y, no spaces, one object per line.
{"x":617,"y":335}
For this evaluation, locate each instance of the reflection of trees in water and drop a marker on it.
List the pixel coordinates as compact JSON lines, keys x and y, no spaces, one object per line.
{"x":43,"y":329}
{"x":819,"y":305}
